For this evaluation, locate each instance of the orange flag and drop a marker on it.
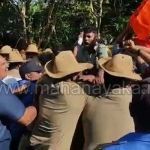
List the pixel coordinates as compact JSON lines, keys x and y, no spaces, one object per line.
{"x":140,"y":20}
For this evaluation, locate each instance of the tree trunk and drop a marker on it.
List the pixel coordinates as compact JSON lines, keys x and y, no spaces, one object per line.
{"x":48,"y":25}
{"x":94,"y":14}
{"x":23,"y":17}
{"x":91,"y":5}
{"x":24,"y":13}
{"x":100,"y":15}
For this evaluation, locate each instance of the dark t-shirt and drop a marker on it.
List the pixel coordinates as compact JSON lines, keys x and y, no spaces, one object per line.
{"x":91,"y":55}
{"x":10,"y":108}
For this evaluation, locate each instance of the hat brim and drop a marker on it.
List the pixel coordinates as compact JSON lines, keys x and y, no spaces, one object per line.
{"x":133,"y":76}
{"x":28,"y":51}
{"x":81,"y":67}
{"x":17,"y":61}
{"x":5,"y":53}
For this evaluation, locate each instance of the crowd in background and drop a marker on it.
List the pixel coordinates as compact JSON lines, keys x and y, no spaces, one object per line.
{"x":90,"y":98}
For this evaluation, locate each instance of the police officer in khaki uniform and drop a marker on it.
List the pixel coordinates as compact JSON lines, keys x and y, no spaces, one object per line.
{"x":61,"y":102}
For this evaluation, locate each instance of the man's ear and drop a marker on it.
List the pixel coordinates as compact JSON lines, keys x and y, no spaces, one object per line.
{"x":96,"y":37}
{"x":28,"y":76}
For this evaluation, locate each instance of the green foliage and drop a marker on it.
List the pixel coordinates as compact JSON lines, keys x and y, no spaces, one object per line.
{"x":52,"y":23}
{"x":115,"y":17}
{"x":9,"y":18}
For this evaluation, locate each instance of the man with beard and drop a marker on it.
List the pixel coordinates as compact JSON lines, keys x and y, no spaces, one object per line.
{"x":90,"y":51}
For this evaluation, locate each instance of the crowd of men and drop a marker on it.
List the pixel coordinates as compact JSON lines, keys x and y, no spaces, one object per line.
{"x":42,"y":96}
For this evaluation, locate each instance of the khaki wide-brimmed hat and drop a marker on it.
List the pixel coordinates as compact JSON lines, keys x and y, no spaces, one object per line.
{"x":5,"y":49}
{"x":65,"y":64}
{"x":15,"y":56}
{"x":119,"y":65}
{"x":48,"y":50}
{"x":32,"y":48}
